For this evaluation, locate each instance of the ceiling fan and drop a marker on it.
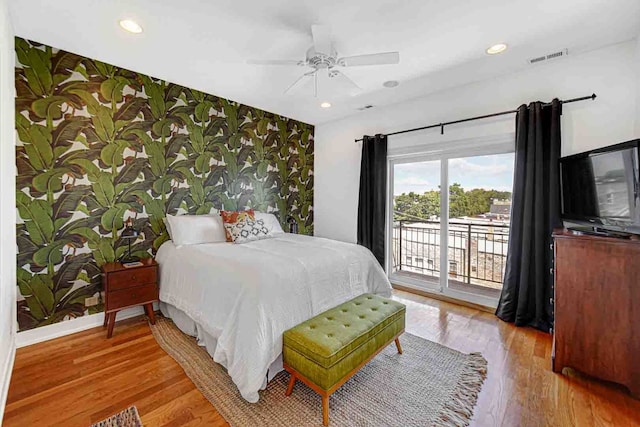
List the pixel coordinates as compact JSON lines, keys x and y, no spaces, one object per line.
{"x":322,"y":57}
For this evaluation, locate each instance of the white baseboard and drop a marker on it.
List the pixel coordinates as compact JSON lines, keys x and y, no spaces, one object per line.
{"x":49,"y":332}
{"x":6,"y":369}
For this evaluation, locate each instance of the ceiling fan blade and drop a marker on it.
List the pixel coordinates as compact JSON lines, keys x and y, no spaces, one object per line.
{"x":321,"y":39}
{"x":299,"y":82}
{"x":372,"y":59}
{"x":344,"y":80}
{"x":274,"y":62}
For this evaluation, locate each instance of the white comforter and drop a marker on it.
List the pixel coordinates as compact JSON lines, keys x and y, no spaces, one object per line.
{"x":247,"y":295}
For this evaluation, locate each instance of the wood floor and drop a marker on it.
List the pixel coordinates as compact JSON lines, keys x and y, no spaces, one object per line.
{"x":83,"y":378}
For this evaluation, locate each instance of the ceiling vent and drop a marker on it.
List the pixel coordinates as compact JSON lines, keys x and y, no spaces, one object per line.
{"x":554,"y":55}
{"x":366,"y":107}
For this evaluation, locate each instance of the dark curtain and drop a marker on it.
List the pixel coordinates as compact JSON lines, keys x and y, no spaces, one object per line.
{"x":535,"y":212}
{"x":372,"y":201}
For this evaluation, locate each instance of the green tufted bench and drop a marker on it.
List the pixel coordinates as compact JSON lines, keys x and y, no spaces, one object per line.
{"x":328,"y":349}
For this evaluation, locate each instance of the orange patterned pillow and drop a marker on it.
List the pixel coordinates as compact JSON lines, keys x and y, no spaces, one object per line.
{"x":231,"y":217}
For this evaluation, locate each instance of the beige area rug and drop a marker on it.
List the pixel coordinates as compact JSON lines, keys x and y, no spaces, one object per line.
{"x":429,"y":384}
{"x":127,"y":418}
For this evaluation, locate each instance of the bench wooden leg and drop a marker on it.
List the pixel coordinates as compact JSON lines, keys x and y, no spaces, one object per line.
{"x":325,"y":410}
{"x":292,"y":382}
{"x":398,"y":345}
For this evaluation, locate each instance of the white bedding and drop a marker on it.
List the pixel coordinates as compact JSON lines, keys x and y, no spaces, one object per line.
{"x":247,"y":295}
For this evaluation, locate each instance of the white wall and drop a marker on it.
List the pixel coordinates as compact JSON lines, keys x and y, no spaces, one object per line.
{"x":8,"y":205}
{"x":612,"y":73}
{"x":637,"y":127}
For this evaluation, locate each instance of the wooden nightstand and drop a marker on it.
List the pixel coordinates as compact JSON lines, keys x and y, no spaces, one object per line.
{"x":128,"y":287}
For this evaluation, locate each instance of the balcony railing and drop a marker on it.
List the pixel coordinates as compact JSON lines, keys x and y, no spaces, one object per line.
{"x":477,"y":252}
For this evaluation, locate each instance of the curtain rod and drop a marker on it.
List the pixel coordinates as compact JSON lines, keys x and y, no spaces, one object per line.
{"x":486,"y":116}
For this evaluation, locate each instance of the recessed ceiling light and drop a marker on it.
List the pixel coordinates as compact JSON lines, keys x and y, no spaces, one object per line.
{"x":390,"y":83}
{"x":497,"y":48}
{"x":325,"y":105}
{"x":131,"y":26}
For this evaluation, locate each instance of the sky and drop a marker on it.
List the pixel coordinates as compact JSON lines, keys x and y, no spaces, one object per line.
{"x":494,"y":172}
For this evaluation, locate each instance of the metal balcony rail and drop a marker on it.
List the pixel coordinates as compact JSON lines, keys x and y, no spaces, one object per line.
{"x":477,"y":252}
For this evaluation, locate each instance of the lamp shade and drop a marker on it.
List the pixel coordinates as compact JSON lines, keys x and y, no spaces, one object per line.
{"x":129,"y":233}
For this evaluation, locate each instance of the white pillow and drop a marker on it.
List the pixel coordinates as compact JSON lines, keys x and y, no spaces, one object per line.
{"x":195,"y":229}
{"x":270,"y":221}
{"x":167,"y":226}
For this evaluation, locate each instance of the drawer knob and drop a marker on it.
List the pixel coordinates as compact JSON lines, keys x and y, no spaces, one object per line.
{"x":133,"y":295}
{"x":133,"y":277}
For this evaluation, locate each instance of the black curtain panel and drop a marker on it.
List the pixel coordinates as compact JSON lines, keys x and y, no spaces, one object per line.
{"x":373,"y":195}
{"x":535,"y":212}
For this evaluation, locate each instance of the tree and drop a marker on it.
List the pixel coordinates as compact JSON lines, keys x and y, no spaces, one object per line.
{"x":414,"y":206}
{"x":458,"y":201}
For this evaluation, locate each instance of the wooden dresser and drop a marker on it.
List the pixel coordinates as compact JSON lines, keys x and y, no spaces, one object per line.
{"x":597,"y":307}
{"x":129,"y":287}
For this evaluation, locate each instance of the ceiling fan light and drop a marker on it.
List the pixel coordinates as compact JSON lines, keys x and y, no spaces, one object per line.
{"x":325,"y":105}
{"x":496,"y":49}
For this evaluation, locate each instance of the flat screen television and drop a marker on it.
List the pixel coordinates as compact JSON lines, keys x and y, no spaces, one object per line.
{"x":602,"y":188}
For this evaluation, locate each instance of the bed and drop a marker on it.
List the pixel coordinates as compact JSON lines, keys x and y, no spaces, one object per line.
{"x":238,"y":299}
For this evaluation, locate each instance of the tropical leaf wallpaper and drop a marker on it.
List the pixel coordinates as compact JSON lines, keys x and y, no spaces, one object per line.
{"x":98,"y":144}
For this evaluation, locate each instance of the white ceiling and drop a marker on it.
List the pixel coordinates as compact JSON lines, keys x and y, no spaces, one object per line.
{"x":204,"y":44}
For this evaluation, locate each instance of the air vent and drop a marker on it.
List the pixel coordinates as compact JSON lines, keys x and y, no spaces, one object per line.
{"x":366,"y":107}
{"x":553,"y":55}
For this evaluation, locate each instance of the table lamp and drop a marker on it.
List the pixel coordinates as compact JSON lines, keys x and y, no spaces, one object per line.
{"x":129,"y":234}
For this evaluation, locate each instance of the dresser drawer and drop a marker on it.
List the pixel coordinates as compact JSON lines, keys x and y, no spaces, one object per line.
{"x":134,"y":277}
{"x":131,"y":296}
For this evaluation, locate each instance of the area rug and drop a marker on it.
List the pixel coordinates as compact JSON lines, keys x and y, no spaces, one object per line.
{"x":127,"y":418}
{"x":429,"y":384}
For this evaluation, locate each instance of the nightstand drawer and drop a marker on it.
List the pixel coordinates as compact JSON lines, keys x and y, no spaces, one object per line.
{"x":134,"y":277}
{"x":131,"y":296}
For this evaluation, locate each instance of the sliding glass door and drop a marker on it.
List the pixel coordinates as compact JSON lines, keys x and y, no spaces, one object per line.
{"x":416,"y":222}
{"x":470,"y":221}
{"x":479,"y":216}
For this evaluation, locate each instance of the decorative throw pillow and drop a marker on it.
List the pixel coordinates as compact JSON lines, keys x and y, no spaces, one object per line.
{"x":247,"y":230}
{"x":270,"y":221}
{"x":231,"y":217}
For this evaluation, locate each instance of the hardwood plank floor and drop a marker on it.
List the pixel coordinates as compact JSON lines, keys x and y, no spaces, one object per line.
{"x":83,"y":378}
